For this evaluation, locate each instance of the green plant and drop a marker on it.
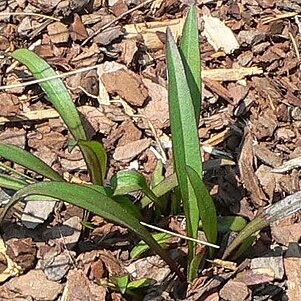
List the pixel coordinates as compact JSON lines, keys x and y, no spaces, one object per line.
{"x":111,"y":202}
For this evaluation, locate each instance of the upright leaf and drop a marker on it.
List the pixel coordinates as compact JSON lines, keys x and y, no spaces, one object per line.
{"x":206,"y":206}
{"x":190,"y":52}
{"x":97,"y":159}
{"x":186,"y":149}
{"x":92,"y":200}
{"x":20,"y":156}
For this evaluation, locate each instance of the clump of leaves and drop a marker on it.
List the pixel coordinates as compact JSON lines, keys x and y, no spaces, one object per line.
{"x":112,"y":202}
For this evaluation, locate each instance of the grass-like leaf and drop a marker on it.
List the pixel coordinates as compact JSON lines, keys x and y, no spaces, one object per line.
{"x":54,"y":89}
{"x":279,"y":210}
{"x":61,"y":100}
{"x":90,"y":199}
{"x":97,"y":158}
{"x":206,"y":205}
{"x":141,"y":247}
{"x":186,"y":149}
{"x":20,"y":156}
{"x":10,"y":182}
{"x":190,"y":52}
{"x":126,"y":181}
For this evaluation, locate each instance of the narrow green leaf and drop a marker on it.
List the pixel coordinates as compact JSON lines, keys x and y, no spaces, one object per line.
{"x":206,"y":205}
{"x":186,"y":149}
{"x":142,"y":282}
{"x":126,"y":181}
{"x":10,"y":182}
{"x":171,"y":181}
{"x":157,"y":175}
{"x":20,"y":156}
{"x":54,"y":89}
{"x":60,"y":98}
{"x":141,"y":247}
{"x":190,"y":52}
{"x":231,"y":223}
{"x":279,"y":210}
{"x":122,"y":282}
{"x":245,"y":245}
{"x":127,"y":204}
{"x":97,"y":159}
{"x":90,"y":199}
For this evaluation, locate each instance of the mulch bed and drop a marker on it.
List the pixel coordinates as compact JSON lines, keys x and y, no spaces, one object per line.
{"x":251,"y":115}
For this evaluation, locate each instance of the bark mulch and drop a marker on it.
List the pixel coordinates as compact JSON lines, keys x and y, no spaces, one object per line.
{"x":251,"y":115}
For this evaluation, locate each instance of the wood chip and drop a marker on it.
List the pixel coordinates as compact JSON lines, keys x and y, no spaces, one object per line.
{"x":58,"y":32}
{"x":129,"y":151}
{"x":219,"y":35}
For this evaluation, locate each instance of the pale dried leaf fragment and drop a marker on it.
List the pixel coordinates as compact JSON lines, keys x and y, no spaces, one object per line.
{"x":150,"y":30}
{"x":288,"y":165}
{"x":36,"y":212}
{"x":12,"y":269}
{"x":232,"y":74}
{"x":32,"y":115}
{"x":219,"y":35}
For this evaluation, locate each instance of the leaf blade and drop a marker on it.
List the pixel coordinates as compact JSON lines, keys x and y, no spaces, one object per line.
{"x":55,"y":90}
{"x":89,"y":199}
{"x":190,"y":52}
{"x":186,"y":150}
{"x":20,"y":156}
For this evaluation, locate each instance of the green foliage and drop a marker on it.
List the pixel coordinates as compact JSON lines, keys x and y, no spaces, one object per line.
{"x":29,"y":161}
{"x":184,"y":76}
{"x":124,"y":285}
{"x":141,"y":247}
{"x":112,"y":202}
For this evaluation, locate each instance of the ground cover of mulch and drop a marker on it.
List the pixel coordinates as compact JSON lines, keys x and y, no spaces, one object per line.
{"x":251,"y":116}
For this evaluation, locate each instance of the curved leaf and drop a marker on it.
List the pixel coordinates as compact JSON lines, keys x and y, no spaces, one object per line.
{"x":54,"y":89}
{"x":22,"y":157}
{"x":126,"y":181}
{"x":277,"y":211}
{"x":90,"y":199}
{"x":97,"y":159}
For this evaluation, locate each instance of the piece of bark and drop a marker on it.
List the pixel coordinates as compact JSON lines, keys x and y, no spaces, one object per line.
{"x":58,"y":32}
{"x":246,"y":169}
{"x":129,"y":151}
{"x":33,"y":285}
{"x":79,"y":287}
{"x":127,"y":84}
{"x":266,"y":156}
{"x":234,"y":290}
{"x":292,"y":265}
{"x":77,"y":29}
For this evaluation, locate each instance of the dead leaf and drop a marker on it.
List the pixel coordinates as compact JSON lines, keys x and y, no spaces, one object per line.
{"x":219,"y":35}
